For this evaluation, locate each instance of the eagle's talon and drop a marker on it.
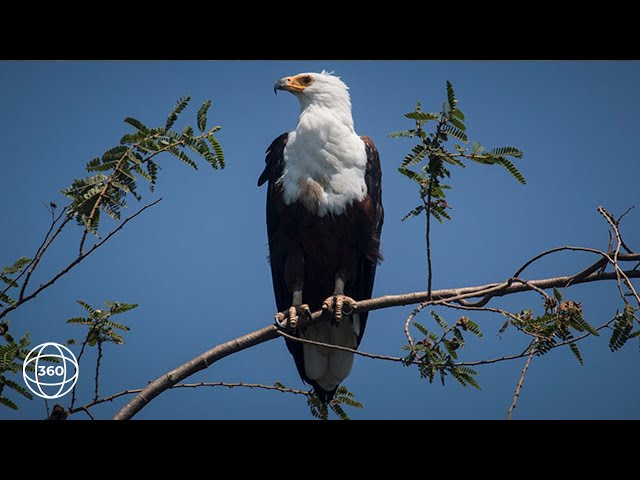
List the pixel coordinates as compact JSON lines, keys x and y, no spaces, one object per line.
{"x":289,"y":320}
{"x":306,"y":311}
{"x":341,"y":305}
{"x":293,"y":317}
{"x":280,"y":319}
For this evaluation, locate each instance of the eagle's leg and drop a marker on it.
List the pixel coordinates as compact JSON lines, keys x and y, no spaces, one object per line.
{"x":339,"y":302}
{"x":290,"y":318}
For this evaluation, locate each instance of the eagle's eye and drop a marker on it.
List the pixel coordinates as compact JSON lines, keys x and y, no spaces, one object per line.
{"x":307,"y":80}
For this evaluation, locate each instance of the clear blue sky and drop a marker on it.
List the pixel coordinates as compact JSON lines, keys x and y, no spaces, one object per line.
{"x":197,"y":265}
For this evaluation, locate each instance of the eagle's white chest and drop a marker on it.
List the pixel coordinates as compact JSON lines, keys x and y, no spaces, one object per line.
{"x":324,"y":166}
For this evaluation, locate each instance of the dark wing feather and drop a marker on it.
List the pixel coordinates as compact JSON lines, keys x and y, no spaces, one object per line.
{"x":371,"y":242}
{"x":272,"y":172}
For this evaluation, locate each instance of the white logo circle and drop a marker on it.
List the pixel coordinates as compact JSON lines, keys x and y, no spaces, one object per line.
{"x":66,"y":372}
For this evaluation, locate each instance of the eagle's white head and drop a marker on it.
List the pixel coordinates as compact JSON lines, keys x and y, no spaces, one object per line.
{"x":322,"y":90}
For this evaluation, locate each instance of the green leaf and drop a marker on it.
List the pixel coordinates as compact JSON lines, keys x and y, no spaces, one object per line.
{"x":411,"y":175}
{"x":173,"y":116}
{"x":217,"y":149}
{"x":402,"y":133}
{"x":455,"y":133}
{"x":8,"y":281}
{"x":87,"y":307}
{"x":622,"y":327}
{"x":421,"y":328}
{"x":576,"y":352}
{"x":457,"y":113}
{"x":137,"y":124}
{"x":413,"y":213}
{"x":202,"y":116}
{"x":337,"y":409}
{"x":451,"y":96}
{"x":8,"y":403}
{"x":441,"y":321}
{"x":120,"y":307}
{"x":422,"y":116}
{"x":557,"y":294}
{"x":18,"y":388}
{"x":416,"y":156}
{"x":17,"y":265}
{"x":182,"y":156}
{"x":457,"y":123}
{"x":506,"y":151}
{"x":119,"y":326}
{"x":511,"y":169}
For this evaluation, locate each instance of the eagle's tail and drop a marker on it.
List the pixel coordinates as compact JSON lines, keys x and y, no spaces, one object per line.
{"x":326,"y":367}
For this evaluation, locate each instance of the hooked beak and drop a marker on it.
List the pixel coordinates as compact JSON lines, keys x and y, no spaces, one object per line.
{"x":288,"y":84}
{"x":280,"y":85}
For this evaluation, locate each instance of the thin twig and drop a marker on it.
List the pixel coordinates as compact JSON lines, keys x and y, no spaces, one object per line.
{"x":463,"y":306}
{"x":75,"y":262}
{"x":85,"y":410}
{"x":519,"y":386}
{"x":616,"y":254}
{"x":37,"y":254}
{"x":344,"y":349}
{"x":79,"y":358}
{"x":43,"y":249}
{"x":97,"y":377}
{"x":432,"y":178}
{"x":111,"y":398}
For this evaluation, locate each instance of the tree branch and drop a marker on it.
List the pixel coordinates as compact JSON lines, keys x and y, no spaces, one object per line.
{"x":271,"y":332}
{"x":520,"y":383}
{"x":75,"y":262}
{"x":111,"y":398}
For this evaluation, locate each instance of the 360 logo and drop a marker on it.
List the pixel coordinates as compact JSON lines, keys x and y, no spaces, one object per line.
{"x":50,"y":381}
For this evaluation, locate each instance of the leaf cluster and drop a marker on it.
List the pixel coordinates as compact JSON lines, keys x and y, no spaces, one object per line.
{"x":101,"y":328}
{"x":12,"y":354}
{"x":622,"y":330}
{"x":436,"y":354}
{"x":428,"y":162}
{"x":116,"y":173}
{"x":343,"y":397}
{"x":560,"y":322}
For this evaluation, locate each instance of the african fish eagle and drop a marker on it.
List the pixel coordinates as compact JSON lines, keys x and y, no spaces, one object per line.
{"x":324,"y":219}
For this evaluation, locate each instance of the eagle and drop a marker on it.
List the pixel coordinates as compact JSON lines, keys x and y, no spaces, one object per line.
{"x":324,"y":220}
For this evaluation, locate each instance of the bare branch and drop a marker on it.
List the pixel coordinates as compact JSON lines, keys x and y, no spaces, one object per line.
{"x":519,"y":385}
{"x":75,"y":262}
{"x":345,"y":349}
{"x":111,"y":398}
{"x":39,"y":252}
{"x":205,"y":360}
{"x":97,"y":377}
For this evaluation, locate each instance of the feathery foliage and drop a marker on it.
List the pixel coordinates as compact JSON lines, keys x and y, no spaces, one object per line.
{"x":101,"y":328}
{"x":12,"y":354}
{"x":436,"y":355}
{"x":116,"y":173}
{"x":342,"y":398}
{"x":622,"y":330}
{"x":432,"y":152}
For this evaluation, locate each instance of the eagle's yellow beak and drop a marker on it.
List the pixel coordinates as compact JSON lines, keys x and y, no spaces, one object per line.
{"x":289,"y":84}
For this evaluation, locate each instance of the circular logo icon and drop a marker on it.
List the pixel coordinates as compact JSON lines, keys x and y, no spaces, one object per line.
{"x":47,"y":379}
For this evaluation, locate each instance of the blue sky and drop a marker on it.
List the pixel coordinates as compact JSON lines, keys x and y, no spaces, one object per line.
{"x":196,"y":263}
